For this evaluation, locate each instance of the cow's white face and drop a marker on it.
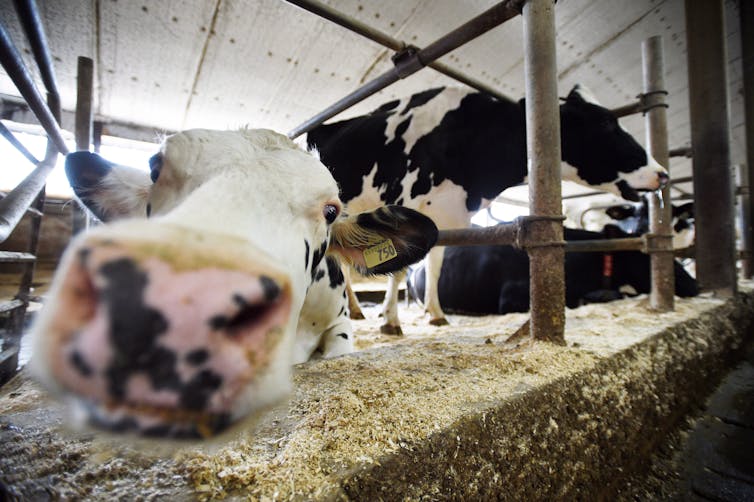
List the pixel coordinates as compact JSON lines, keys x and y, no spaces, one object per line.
{"x":183,"y":322}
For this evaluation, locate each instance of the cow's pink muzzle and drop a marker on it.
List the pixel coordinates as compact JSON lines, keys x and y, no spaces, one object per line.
{"x":162,"y":339}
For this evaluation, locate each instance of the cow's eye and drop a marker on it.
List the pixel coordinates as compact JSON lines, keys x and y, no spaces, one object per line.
{"x":155,"y":165}
{"x":330,"y":212}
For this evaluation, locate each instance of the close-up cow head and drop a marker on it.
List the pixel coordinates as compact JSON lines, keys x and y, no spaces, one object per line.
{"x":600,"y":153}
{"x":183,"y":322}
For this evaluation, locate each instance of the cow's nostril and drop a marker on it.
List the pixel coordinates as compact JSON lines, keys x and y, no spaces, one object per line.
{"x":663,"y":178}
{"x":249,"y":313}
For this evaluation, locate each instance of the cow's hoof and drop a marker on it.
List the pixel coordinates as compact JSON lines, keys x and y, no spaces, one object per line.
{"x":389,"y":329}
{"x":356,"y":316}
{"x":440,"y":321}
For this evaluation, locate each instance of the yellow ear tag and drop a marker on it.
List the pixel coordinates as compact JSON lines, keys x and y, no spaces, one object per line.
{"x":379,"y":253}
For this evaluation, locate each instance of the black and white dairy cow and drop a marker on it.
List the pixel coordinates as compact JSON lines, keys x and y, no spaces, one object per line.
{"x":495,"y":279}
{"x":631,"y":217}
{"x":179,"y":324}
{"x":447,"y":152}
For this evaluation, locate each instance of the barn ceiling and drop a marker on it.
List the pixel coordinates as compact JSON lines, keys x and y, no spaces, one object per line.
{"x":175,"y":64}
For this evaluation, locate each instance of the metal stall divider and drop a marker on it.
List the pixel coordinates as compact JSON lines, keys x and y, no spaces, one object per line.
{"x":29,"y":195}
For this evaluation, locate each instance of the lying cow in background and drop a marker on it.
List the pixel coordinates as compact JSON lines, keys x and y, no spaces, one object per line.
{"x":495,"y":279}
{"x":631,"y":217}
{"x":180,"y":324}
{"x":449,"y":152}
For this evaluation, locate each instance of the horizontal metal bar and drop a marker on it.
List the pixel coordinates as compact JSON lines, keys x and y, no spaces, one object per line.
{"x":15,"y":142}
{"x":15,"y":204}
{"x":505,"y":233}
{"x":16,"y":69}
{"x":597,"y":245}
{"x":682,"y":151}
{"x":28,"y":14}
{"x":10,"y":305}
{"x":628,"y":109}
{"x":16,"y":257}
{"x":412,"y":63}
{"x":382,"y":38}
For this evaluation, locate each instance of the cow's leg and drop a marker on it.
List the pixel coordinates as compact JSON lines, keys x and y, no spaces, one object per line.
{"x":392,"y":324}
{"x":354,"y":308}
{"x":431,"y":295}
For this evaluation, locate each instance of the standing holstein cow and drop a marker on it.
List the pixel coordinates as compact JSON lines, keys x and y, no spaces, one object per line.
{"x":449,"y":152}
{"x":180,"y":324}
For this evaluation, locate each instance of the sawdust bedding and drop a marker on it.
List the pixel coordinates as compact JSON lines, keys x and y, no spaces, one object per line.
{"x":344,"y":412}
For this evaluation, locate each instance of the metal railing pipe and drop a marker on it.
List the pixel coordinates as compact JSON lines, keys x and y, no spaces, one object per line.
{"x":746,"y":17}
{"x":13,"y":140}
{"x":363,"y":29}
{"x":681,"y":151}
{"x":28,"y":14}
{"x":412,"y":61}
{"x":662,"y":293}
{"x":16,"y":69}
{"x":503,"y":234}
{"x":546,"y":253}
{"x":15,"y":204}
{"x":710,"y":140}
{"x":629,"y":109}
{"x":606,"y":245}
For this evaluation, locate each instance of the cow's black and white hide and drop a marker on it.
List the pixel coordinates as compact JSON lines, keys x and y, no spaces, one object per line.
{"x":447,"y":152}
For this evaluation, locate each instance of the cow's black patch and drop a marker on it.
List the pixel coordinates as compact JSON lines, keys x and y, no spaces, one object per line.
{"x":342,"y":335}
{"x":134,"y":329}
{"x":335,"y":272}
{"x":317,"y":258}
{"x":218,"y":321}
{"x":149,"y":210}
{"x":199,"y":389}
{"x":480,"y":146}
{"x":390,"y":105}
{"x":306,"y":254}
{"x":83,"y":255}
{"x":270,"y":288}
{"x":246,"y":315}
{"x":319,"y":275}
{"x":421,"y":98}
{"x":80,"y":364}
{"x":197,"y":357}
{"x":155,"y":166}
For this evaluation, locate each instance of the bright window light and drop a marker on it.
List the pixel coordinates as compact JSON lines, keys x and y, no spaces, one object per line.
{"x":498,"y":211}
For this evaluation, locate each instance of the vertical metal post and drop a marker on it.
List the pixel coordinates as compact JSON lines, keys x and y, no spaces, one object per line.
{"x":663,"y":278}
{"x":746,"y":16}
{"x":84,"y":98}
{"x":713,"y":191}
{"x":744,"y":212}
{"x":543,"y":151}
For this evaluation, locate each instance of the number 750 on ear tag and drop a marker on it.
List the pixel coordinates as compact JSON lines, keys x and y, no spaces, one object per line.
{"x":379,"y":253}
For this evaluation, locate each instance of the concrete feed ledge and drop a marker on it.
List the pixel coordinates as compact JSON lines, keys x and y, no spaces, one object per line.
{"x":443,"y":413}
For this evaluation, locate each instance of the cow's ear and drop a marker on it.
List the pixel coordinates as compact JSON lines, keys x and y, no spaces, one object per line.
{"x":384,"y":240}
{"x":620,"y":212}
{"x":110,"y":191}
